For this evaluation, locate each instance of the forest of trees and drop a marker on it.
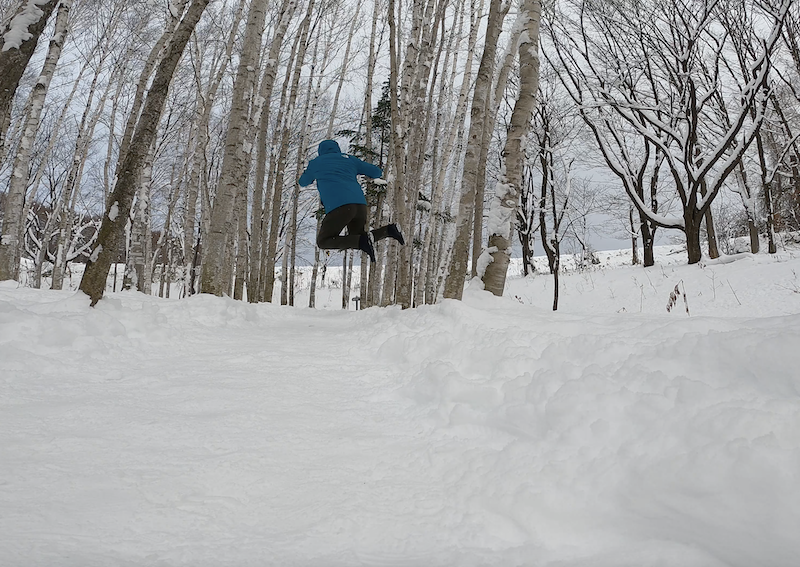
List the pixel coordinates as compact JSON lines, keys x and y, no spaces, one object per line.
{"x":168,"y":136}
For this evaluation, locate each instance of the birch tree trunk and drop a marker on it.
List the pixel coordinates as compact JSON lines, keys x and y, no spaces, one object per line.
{"x":432,"y":246}
{"x":64,"y":236}
{"x":346,"y":276}
{"x":192,"y":193}
{"x":329,"y":134}
{"x":767,"y":180}
{"x":280,"y":162}
{"x":367,"y":269}
{"x":164,"y":238}
{"x":274,"y":197}
{"x":94,"y":278}
{"x":302,"y":151}
{"x":112,"y":125}
{"x":240,"y":215}
{"x":137,"y":274}
{"x":156,"y":54}
{"x":439,"y":161}
{"x":233,"y":176}
{"x":71,"y":185}
{"x":398,"y":154}
{"x":376,"y":270}
{"x":454,"y":282}
{"x":36,"y":176}
{"x":259,"y":214}
{"x":506,"y":200}
{"x":312,"y":297}
{"x":14,"y":219}
{"x":57,"y":204}
{"x":205,"y":104}
{"x":290,"y":241}
{"x":492,"y":106}
{"x":20,"y":38}
{"x":418,"y":128}
{"x":343,"y":70}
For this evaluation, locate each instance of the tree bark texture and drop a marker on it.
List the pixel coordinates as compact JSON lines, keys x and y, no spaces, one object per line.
{"x":260,"y":214}
{"x":17,"y":52}
{"x":205,"y":104}
{"x":14,"y":219}
{"x":71,"y":189}
{"x":454,"y":283}
{"x":279,"y":165}
{"x":235,"y":165}
{"x":506,"y":200}
{"x":112,"y":229}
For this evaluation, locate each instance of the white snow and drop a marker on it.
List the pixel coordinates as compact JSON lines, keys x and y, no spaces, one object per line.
{"x":492,"y":432}
{"x":18,"y":32}
{"x":501,"y":213}
{"x":113,"y":212}
{"x":485,"y":259}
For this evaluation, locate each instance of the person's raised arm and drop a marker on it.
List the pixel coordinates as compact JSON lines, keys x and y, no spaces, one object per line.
{"x":369,"y":170}
{"x":308,"y":176}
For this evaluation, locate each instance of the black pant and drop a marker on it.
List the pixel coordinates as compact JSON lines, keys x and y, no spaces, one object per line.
{"x":352,"y":216}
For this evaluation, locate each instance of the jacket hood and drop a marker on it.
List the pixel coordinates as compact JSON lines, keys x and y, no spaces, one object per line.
{"x":329,"y":147}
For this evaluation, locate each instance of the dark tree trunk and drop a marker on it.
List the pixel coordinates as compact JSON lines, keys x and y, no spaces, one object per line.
{"x":634,"y":243}
{"x":711,"y":233}
{"x":770,"y":205}
{"x":14,"y":61}
{"x":527,"y":254}
{"x":752,"y":229}
{"x":551,"y":255}
{"x":112,"y":230}
{"x":693,"y":249}
{"x":648,"y":242}
{"x":556,"y":268}
{"x":194,"y":268}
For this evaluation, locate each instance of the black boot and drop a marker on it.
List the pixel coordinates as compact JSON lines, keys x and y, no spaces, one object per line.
{"x":366,"y":243}
{"x":394,"y":232}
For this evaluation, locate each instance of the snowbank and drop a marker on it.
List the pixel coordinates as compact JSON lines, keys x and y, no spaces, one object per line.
{"x":207,"y":431}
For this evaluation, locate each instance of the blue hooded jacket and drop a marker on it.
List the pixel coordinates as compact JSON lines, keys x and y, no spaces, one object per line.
{"x":335,"y":174}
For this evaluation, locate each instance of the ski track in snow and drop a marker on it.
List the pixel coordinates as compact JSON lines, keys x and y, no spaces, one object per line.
{"x":213,"y":432}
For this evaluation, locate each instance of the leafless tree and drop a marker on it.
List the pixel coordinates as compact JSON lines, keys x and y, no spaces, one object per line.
{"x":656,"y":67}
{"x":93,"y":282}
{"x":20,"y":38}
{"x":454,"y":284}
{"x":235,"y":166}
{"x":13,"y":220}
{"x":505,"y":203}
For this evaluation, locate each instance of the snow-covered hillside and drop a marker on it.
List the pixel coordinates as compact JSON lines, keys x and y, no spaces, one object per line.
{"x":492,"y":431}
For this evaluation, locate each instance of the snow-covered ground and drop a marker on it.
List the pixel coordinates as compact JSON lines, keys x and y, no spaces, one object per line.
{"x":493,"y":431}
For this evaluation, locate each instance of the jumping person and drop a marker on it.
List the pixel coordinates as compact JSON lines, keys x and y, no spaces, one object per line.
{"x":344,"y":201}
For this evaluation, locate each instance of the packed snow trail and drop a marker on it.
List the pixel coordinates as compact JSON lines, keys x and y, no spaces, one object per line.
{"x":213,"y":432}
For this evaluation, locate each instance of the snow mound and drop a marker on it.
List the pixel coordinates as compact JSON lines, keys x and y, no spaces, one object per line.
{"x":208,"y":431}
{"x":591,"y":436}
